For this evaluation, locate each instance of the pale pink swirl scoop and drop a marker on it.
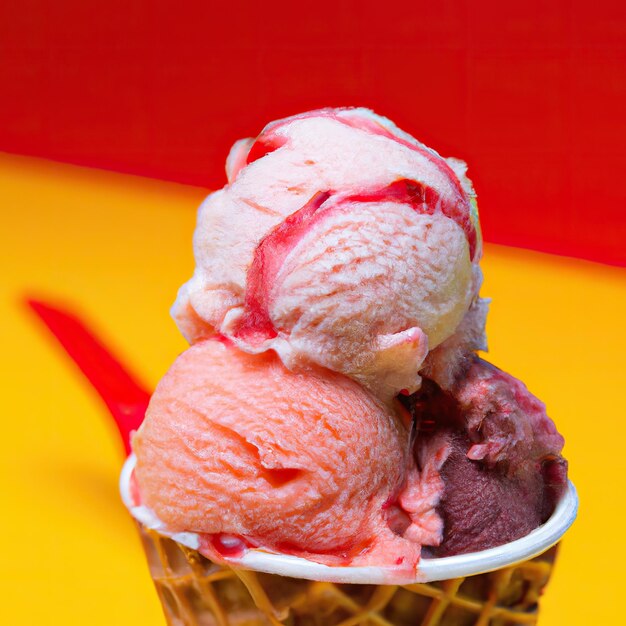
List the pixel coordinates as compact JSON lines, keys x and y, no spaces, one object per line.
{"x":339,"y":241}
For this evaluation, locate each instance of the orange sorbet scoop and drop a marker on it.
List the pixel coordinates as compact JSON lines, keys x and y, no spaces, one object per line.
{"x":306,"y":463}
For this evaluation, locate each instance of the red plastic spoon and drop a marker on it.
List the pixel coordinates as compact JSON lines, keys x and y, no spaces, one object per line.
{"x":124,"y":396}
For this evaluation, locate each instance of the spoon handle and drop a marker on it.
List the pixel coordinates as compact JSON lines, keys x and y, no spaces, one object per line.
{"x":124,"y":396}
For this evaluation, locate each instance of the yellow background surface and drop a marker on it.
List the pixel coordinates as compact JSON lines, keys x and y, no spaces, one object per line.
{"x":115,"y":249}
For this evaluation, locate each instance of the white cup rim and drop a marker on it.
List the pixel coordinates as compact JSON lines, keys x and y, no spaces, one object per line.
{"x":429,"y":570}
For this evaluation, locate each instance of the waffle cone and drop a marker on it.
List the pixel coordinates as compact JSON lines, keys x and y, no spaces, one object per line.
{"x":195,"y":591}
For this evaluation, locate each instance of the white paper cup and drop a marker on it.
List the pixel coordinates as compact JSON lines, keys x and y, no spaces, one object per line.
{"x":435,"y":569}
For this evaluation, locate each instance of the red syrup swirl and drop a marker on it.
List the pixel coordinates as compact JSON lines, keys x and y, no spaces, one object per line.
{"x":457,"y":209}
{"x":256,"y":325}
{"x":269,"y":140}
{"x":263,"y":146}
{"x":223,"y":546}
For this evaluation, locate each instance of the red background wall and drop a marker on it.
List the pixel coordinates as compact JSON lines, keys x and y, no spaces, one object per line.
{"x":531,"y":94}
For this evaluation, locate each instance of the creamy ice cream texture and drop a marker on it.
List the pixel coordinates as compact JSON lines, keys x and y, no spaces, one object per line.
{"x":334,"y":314}
{"x":339,"y":241}
{"x":294,"y":462}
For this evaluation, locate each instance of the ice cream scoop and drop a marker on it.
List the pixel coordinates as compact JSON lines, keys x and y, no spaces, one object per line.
{"x":306,"y":463}
{"x":332,"y":420}
{"x":339,"y":241}
{"x":503,"y":474}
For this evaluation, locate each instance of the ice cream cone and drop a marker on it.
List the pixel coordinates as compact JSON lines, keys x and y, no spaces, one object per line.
{"x":194,"y":591}
{"x":331,"y":427}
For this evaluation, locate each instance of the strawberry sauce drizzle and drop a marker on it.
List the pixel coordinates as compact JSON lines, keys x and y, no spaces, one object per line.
{"x":377,"y":129}
{"x":222,"y":546}
{"x":268,"y":141}
{"x":256,"y":326}
{"x":263,"y":146}
{"x":422,"y":199}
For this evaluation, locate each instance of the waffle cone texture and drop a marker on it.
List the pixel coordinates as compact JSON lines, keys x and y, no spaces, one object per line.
{"x":195,"y":591}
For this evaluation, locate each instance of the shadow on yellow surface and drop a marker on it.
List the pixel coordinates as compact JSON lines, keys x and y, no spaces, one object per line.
{"x":116,"y":248}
